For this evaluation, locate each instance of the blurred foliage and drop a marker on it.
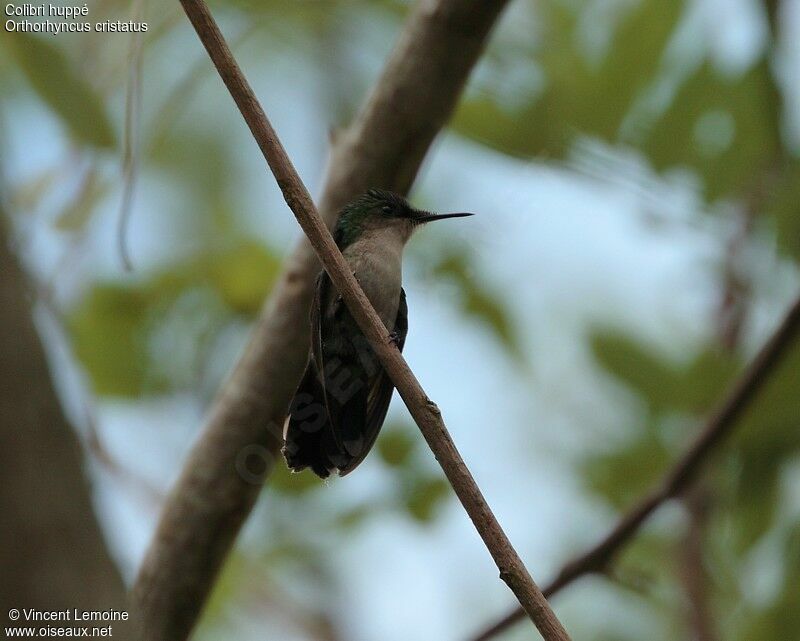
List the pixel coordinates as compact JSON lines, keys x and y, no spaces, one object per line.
{"x":665,"y":385}
{"x":395,"y":447}
{"x":621,"y":476}
{"x":285,"y":481}
{"x":783,"y":210}
{"x":454,"y":266}
{"x":567,"y":103}
{"x":477,"y":300}
{"x":310,"y":16}
{"x":418,"y":493}
{"x":647,"y":566}
{"x":424,"y":495}
{"x":59,"y":86}
{"x":77,"y":212}
{"x":781,"y":620}
{"x":723,"y":127}
{"x":746,"y":479}
{"x":598,"y":70}
{"x":766,"y":434}
{"x":130,"y":337}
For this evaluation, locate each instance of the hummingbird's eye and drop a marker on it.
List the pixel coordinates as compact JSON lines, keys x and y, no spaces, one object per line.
{"x":387,"y":209}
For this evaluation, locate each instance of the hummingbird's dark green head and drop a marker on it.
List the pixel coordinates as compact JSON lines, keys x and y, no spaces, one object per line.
{"x":378,"y":209}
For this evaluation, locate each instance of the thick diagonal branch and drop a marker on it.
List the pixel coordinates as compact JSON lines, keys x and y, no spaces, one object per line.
{"x":422,"y":409}
{"x":225,"y":469}
{"x":718,"y":426}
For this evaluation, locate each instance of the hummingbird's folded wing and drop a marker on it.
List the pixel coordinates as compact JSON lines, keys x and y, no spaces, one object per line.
{"x":321,"y":289}
{"x":380,"y":393}
{"x":345,"y":366}
{"x":307,"y":432}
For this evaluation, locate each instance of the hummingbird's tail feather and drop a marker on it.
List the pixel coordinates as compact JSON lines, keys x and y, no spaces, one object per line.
{"x":347,"y":411}
{"x":307,"y":433}
{"x":375,"y":413}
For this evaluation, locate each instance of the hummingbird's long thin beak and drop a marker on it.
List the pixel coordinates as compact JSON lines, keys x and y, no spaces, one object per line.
{"x":426,"y":217}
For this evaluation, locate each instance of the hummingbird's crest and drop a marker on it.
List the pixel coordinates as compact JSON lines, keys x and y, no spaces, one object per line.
{"x":372,"y":206}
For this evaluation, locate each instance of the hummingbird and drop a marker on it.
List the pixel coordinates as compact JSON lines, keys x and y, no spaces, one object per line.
{"x":342,"y":400}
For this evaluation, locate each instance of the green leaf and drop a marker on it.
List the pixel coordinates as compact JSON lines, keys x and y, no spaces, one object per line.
{"x":703,"y":382}
{"x":109,"y":337}
{"x":622,"y":476}
{"x":477,"y":301}
{"x":780,"y":619}
{"x":647,"y":564}
{"x":783,"y":207}
{"x":776,"y":407}
{"x":664,"y":385}
{"x":293,"y":483}
{"x":424,"y":497}
{"x":353,"y":518}
{"x":395,"y":446}
{"x":64,"y":90}
{"x":243,"y":274}
{"x":722,"y":127}
{"x":755,"y":493}
{"x":200,"y":157}
{"x":120,"y":332}
{"x":566,"y":103}
{"x":651,"y":377}
{"x":236,"y":573}
{"x":766,"y":438}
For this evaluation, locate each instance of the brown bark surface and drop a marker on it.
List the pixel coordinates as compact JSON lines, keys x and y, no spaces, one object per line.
{"x":52,"y":552}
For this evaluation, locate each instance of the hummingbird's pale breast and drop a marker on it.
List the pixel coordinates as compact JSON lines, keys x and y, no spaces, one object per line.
{"x":376,"y":260}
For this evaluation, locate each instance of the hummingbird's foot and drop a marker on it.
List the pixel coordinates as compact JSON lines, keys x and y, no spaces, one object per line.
{"x":394,"y":339}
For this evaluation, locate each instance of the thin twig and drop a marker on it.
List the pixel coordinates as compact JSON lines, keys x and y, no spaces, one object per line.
{"x":130,"y":156}
{"x":718,"y":426}
{"x":692,"y":570}
{"x":225,"y":469}
{"x":423,"y":410}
